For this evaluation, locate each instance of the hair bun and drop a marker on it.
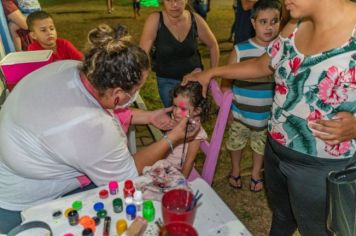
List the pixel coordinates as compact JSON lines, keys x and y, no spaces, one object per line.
{"x":111,"y":39}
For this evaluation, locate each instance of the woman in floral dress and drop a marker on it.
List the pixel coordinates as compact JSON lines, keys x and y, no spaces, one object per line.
{"x":313,"y":125}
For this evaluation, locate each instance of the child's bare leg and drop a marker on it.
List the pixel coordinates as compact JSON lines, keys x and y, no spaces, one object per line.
{"x":15,"y":37}
{"x":109,"y":6}
{"x":256,"y":171}
{"x":234,"y":178}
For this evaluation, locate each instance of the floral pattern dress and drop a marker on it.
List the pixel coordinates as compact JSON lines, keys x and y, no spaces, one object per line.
{"x":309,"y":88}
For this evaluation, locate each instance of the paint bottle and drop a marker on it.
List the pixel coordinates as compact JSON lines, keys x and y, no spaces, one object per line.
{"x":128,"y":201}
{"x":117,"y":205}
{"x":113,"y":187}
{"x":131,"y":212}
{"x":77,"y":205}
{"x":102,"y":213}
{"x":148,"y":211}
{"x":87,"y":232}
{"x":138,"y":200}
{"x":88,"y":223}
{"x":121,"y":227}
{"x":73,"y":217}
{"x":103,"y":194}
{"x":98,"y":206}
{"x":129,"y":189}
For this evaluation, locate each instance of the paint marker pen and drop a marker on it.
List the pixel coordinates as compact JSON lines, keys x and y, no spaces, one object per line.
{"x":106,"y":229}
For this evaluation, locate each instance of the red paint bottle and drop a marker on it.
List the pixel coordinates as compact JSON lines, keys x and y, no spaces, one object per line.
{"x":129,"y":189}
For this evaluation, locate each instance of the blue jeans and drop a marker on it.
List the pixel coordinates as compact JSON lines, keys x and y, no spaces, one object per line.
{"x":165,"y":87}
{"x":11,"y":219}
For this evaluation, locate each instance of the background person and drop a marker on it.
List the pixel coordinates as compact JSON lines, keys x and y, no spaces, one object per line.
{"x":16,"y":13}
{"x":173,"y":33}
{"x":58,"y":125}
{"x":314,"y":69}
{"x":243,"y":28}
{"x":44,"y":35}
{"x":251,"y":107}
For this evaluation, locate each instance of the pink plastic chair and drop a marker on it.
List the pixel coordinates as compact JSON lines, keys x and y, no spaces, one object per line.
{"x":212,"y":149}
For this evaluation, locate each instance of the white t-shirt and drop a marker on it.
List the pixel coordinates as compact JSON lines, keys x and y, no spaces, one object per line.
{"x":52,"y":131}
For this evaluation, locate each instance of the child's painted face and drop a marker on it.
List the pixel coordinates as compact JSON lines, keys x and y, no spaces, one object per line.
{"x":45,"y":33}
{"x":266,"y":25}
{"x":181,"y":107}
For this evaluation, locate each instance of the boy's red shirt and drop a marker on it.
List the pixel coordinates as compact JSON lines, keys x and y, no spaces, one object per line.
{"x":65,"y":50}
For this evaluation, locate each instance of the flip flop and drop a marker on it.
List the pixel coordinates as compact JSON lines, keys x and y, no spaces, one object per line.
{"x":236,"y":179}
{"x":255,"y":182}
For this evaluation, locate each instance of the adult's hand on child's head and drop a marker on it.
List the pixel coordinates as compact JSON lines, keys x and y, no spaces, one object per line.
{"x":342,"y":127}
{"x":203,"y":77}
{"x":161,"y":120}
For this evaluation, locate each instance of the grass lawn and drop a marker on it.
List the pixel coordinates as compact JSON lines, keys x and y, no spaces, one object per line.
{"x":74,"y":19}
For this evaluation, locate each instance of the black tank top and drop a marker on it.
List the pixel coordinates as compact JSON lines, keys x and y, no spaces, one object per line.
{"x":174,"y":59}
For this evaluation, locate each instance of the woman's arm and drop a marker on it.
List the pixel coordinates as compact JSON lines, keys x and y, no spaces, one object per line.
{"x":157,"y":118}
{"x":249,"y":69}
{"x":149,"y":32}
{"x":18,"y":18}
{"x":227,"y":83}
{"x":160,"y":149}
{"x":208,"y":38}
{"x":192,"y":151}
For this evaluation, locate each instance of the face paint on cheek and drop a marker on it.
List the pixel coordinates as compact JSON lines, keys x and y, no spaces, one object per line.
{"x":182,"y":106}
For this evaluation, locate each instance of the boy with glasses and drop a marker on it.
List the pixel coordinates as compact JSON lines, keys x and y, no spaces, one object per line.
{"x":252,"y":102}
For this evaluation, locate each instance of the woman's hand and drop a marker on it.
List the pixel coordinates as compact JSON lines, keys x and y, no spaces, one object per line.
{"x":161,"y":120}
{"x":178,"y":133}
{"x":202,"y":77}
{"x":341,"y":128}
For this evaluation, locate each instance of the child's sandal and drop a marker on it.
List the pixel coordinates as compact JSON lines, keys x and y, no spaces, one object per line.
{"x":237,"y":181}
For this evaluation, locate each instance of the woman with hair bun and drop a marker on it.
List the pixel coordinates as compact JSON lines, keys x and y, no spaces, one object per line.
{"x":58,"y":132}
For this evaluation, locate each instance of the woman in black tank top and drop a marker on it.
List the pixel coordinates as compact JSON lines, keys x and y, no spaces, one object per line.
{"x":174,"y":34}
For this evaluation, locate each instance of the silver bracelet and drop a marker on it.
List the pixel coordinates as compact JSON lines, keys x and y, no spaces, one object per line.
{"x":170,"y":144}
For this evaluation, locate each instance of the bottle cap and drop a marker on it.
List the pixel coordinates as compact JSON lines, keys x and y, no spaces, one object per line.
{"x":121,"y":226}
{"x":87,"y":232}
{"x":128,"y":184}
{"x":103,"y":194}
{"x":98,"y":206}
{"x":77,"y":205}
{"x":128,"y":201}
{"x":113,"y":185}
{"x":102,"y":213}
{"x":66,"y":212}
{"x":117,"y":202}
{"x":87,"y":222}
{"x":131,"y":210}
{"x":138,"y":195}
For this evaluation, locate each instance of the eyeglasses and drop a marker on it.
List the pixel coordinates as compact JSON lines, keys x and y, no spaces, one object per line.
{"x":175,"y":2}
{"x":265,"y":22}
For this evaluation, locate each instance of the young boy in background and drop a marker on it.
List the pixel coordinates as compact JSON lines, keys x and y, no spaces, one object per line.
{"x":252,"y":102}
{"x":44,"y":35}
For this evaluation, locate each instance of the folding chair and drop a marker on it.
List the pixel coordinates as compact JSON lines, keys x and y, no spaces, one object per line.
{"x":212,"y":149}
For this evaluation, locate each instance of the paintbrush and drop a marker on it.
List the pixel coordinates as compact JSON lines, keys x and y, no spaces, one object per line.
{"x":185,"y":140}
